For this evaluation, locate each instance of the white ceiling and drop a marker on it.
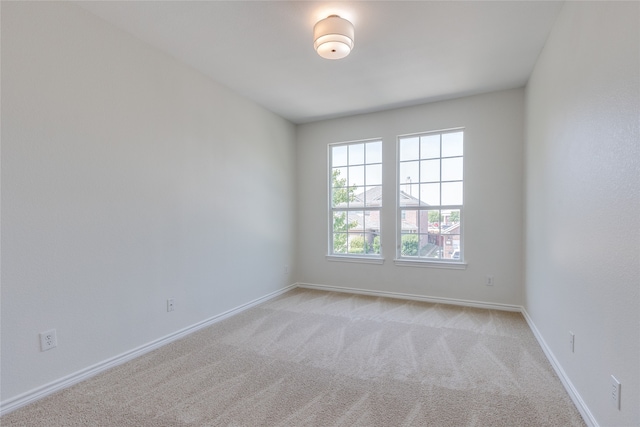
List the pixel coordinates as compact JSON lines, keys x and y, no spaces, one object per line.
{"x":406,"y":52}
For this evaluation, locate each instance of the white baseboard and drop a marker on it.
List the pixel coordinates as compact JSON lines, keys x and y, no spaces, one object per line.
{"x":587,"y":416}
{"x":398,"y":295}
{"x":69,"y":380}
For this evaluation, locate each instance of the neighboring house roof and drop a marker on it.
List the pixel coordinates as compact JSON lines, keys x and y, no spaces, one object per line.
{"x":409,"y":200}
{"x":451,"y":228}
{"x":409,"y":226}
{"x":373,"y":197}
{"x":364,"y":223}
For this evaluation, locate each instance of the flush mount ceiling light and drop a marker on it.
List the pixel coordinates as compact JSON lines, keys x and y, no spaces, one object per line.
{"x":333,"y":37}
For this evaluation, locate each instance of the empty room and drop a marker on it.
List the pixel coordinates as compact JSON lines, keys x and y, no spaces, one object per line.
{"x":301,"y":213}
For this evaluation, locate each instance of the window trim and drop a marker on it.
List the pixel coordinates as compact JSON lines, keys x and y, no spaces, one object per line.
{"x":407,"y":261}
{"x":347,"y":257}
{"x":362,"y":259}
{"x":411,"y":262}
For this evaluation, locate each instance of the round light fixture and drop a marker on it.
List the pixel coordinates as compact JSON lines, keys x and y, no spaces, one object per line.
{"x":333,"y":37}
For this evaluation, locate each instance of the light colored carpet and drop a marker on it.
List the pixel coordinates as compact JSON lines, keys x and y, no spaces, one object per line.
{"x":312,"y":358}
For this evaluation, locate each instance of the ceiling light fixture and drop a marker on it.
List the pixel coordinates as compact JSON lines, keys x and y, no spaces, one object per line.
{"x":333,"y":37}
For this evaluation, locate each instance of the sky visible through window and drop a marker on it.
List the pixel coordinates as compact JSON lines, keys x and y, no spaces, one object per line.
{"x":431,"y":173}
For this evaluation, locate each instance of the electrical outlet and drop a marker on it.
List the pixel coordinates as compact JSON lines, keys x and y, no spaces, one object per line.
{"x":488,"y":280}
{"x":171,"y":304}
{"x":616,"y":389}
{"x":572,"y":341}
{"x":48,"y":340}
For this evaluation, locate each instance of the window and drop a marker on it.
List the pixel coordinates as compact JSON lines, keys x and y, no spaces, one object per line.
{"x":355,"y":183}
{"x":430,"y":190}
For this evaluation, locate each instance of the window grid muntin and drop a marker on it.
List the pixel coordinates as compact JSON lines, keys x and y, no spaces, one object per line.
{"x":403,"y":206}
{"x":363,"y":207}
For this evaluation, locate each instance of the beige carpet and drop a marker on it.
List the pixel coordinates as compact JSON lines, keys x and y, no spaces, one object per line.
{"x":312,"y":358}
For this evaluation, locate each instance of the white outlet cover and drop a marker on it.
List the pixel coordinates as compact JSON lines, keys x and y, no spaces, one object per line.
{"x":616,"y":389}
{"x":572,"y":340}
{"x":48,"y":340}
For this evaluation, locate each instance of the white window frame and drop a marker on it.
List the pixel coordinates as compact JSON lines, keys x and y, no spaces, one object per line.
{"x":418,"y":261}
{"x":371,"y":258}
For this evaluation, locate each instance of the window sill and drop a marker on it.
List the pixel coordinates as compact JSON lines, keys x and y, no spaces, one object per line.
{"x":355,"y":259}
{"x":430,"y":264}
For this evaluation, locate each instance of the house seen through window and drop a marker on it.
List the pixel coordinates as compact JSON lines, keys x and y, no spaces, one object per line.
{"x":355,"y":176}
{"x":430,"y":196}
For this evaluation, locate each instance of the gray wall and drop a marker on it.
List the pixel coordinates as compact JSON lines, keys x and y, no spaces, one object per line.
{"x":493,"y":174}
{"x":127,"y":179}
{"x":583,"y":202}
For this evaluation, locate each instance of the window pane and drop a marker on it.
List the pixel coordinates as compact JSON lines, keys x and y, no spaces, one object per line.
{"x":356,"y":154}
{"x":430,"y":170}
{"x":433,"y":249}
{"x":356,"y":220}
{"x":357,"y":198}
{"x":410,"y":244}
{"x":409,"y":221}
{"x":372,"y":243}
{"x":339,"y":221}
{"x":374,"y":152}
{"x":340,"y":193}
{"x":356,"y":176}
{"x":339,"y":155}
{"x":452,"y":247}
{"x":339,"y":174}
{"x":356,"y":243}
{"x":408,"y":195}
{"x":452,"y":169}
{"x":429,"y":146}
{"x":371,"y":230}
{"x":351,"y":196}
{"x":373,"y":196}
{"x":452,"y":144}
{"x":410,"y":172}
{"x":430,"y":194}
{"x":339,"y":197}
{"x":451,"y":217}
{"x":409,"y":149}
{"x":373,"y":174}
{"x":339,"y":243}
{"x":434,"y":219}
{"x":452,"y":193}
